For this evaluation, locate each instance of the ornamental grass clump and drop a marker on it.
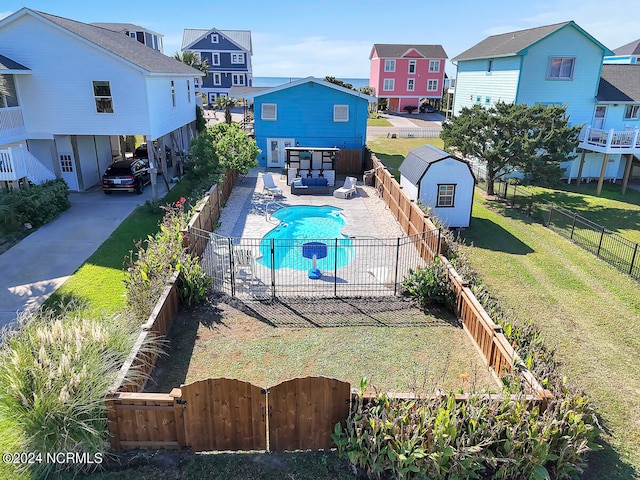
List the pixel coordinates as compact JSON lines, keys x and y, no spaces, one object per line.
{"x":54,"y":373}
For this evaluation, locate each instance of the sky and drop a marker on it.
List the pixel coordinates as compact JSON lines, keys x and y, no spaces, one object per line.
{"x":301,"y":38}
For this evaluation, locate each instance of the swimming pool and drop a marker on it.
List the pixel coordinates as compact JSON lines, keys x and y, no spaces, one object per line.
{"x":299,"y":225}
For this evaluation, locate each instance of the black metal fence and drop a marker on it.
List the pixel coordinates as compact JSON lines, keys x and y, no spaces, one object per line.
{"x":270,"y":268}
{"x":614,"y":249}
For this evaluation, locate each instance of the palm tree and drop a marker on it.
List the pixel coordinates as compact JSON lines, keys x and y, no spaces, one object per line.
{"x":193,"y":60}
{"x":226,"y":104}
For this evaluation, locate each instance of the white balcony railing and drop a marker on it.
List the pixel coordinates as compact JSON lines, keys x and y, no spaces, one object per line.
{"x":610,"y":141}
{"x":11,"y":122}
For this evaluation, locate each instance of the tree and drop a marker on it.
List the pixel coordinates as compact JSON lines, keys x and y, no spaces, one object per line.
{"x":219,"y":148}
{"x":201,"y":122}
{"x":507,"y":136}
{"x":337,"y":81}
{"x":226,"y":104}
{"x":193,"y":60}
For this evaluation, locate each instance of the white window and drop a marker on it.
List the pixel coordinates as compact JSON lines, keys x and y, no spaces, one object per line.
{"x":102,"y":94}
{"x":411,"y":83}
{"x":217,"y":78}
{"x":173,"y":93}
{"x":434,"y":65}
{"x":269,"y":111}
{"x":215,"y":58}
{"x":341,"y":113}
{"x":389,"y":84}
{"x":561,"y":68}
{"x":389,"y":65}
{"x":432,"y":85}
{"x":237,"y":58}
{"x":446,"y":195}
{"x":132,"y":34}
{"x":214,"y":38}
{"x":189,"y":91}
{"x":238,"y":79}
{"x":632,"y":112}
{"x":412,"y":67}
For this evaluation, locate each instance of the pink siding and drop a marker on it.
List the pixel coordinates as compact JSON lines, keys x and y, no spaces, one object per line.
{"x":421,"y":78}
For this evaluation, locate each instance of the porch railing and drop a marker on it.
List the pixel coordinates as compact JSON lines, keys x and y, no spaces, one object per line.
{"x":610,"y":140}
{"x":17,"y":163}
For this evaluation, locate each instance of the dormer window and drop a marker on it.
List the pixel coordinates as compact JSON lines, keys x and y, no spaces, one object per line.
{"x":214,"y":38}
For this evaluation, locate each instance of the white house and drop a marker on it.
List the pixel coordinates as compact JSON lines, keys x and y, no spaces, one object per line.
{"x":440,"y":180}
{"x":71,"y":90}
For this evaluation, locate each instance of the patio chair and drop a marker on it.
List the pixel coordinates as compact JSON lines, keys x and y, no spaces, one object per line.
{"x":270,"y":186}
{"x":244,"y":263}
{"x":347,"y":190}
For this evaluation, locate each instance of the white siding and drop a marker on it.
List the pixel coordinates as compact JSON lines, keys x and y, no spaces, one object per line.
{"x":449,"y":171}
{"x":44,"y":150}
{"x":409,"y":188}
{"x":473,"y":80}
{"x":579,"y":93}
{"x":164,"y":117}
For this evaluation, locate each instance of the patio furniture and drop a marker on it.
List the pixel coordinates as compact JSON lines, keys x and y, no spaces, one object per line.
{"x":311,"y":186}
{"x":244,"y":263}
{"x":348,"y":189}
{"x":270,"y":186}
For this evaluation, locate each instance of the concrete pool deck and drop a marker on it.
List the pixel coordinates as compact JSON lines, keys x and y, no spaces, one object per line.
{"x":244,"y":215}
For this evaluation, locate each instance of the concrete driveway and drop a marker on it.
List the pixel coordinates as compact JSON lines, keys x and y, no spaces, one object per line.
{"x":33,"y":269}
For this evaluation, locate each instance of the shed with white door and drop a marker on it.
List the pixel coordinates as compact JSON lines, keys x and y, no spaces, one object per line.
{"x":440,"y":180}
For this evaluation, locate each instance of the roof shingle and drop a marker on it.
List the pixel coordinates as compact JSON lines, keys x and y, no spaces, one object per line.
{"x":397,"y":50}
{"x":619,"y":83}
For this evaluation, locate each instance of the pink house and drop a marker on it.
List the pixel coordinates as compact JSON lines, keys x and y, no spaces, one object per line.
{"x":404,"y":75}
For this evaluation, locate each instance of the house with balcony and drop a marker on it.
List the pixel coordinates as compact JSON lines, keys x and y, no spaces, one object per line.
{"x":407,"y":75}
{"x":143,"y":35}
{"x":308,"y":113}
{"x":228,"y":54}
{"x":558,"y":64}
{"x":629,"y":54}
{"x":65,"y":116}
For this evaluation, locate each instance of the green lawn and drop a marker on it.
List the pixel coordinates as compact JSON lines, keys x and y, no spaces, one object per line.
{"x":586,"y":309}
{"x":619,"y":213}
{"x":378,"y":122}
{"x":392,"y":151}
{"x":98,"y":283}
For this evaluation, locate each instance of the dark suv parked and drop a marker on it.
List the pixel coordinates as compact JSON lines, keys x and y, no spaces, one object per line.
{"x":130,"y":175}
{"x":142,"y":152}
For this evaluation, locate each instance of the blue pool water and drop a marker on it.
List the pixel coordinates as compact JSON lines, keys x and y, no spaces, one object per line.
{"x":302,"y":224}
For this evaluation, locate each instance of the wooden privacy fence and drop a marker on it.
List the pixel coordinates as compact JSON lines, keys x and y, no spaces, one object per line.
{"x":498,"y":353}
{"x":349,"y":162}
{"x":208,"y":212}
{"x":226,"y":414}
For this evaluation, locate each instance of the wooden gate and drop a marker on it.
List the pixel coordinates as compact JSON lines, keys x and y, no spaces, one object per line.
{"x":224,"y":414}
{"x":303,"y":412}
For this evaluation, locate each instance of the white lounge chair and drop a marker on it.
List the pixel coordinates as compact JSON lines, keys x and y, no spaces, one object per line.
{"x":348,"y":189}
{"x":270,"y":186}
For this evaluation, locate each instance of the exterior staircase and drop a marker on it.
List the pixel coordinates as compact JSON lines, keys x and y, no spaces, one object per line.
{"x":18,"y":163}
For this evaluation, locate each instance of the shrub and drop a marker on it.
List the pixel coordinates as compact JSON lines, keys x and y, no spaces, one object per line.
{"x":429,"y":285}
{"x":150,"y":268}
{"x":37,"y":205}
{"x":54,"y":372}
{"x":410,"y":108}
{"x":440,"y":438}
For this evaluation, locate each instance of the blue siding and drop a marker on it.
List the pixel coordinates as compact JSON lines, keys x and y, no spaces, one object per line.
{"x":577,"y":94}
{"x":226,"y":80}
{"x":223,"y":44}
{"x":305,"y":113}
{"x":498,"y":85}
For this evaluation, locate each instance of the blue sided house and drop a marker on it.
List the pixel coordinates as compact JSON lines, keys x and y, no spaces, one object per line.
{"x":559,"y":64}
{"x":228,"y":54}
{"x":309,"y":113}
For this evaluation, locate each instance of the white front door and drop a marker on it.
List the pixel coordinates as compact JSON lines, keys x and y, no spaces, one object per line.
{"x":276,"y":154}
{"x":68,"y":171}
{"x":599,"y":117}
